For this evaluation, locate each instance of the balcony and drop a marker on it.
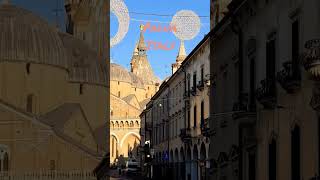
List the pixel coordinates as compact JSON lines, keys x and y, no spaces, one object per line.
{"x":185,"y":135}
{"x":193,"y":91}
{"x":266,"y":93}
{"x":289,"y":77}
{"x":311,"y":58}
{"x":200,"y":85}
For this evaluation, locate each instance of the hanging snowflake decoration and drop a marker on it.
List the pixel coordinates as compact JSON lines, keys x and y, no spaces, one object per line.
{"x":120,"y":10}
{"x":187,"y":24}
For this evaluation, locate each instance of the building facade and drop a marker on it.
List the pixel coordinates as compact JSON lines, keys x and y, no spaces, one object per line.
{"x":176,"y":115}
{"x":129,"y":93}
{"x":52,"y":119}
{"x":263,"y":102}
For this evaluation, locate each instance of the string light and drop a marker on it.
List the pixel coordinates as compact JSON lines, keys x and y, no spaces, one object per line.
{"x":187,"y":24}
{"x":120,"y":10}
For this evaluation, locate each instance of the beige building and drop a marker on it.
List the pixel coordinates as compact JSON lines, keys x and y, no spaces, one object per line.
{"x":176,"y":117}
{"x":264,"y":104}
{"x":129,"y":93}
{"x":53,"y":97}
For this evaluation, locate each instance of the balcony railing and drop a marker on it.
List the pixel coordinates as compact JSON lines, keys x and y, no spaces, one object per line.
{"x":289,"y":77}
{"x":200,"y":85}
{"x":311,"y":57}
{"x":266,"y":93}
{"x":185,"y":135}
{"x":48,"y":175}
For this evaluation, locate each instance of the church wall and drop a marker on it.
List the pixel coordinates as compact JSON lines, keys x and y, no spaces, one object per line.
{"x":120,"y":109}
{"x":91,"y":100}
{"x":123,"y":87}
{"x":48,"y":91}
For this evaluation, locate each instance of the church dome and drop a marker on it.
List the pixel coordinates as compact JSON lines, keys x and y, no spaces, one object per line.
{"x":118,"y":73}
{"x":27,"y":38}
{"x":83,"y":62}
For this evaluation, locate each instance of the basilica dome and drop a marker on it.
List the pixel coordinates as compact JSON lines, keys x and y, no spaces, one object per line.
{"x":28,"y":38}
{"x":118,"y":73}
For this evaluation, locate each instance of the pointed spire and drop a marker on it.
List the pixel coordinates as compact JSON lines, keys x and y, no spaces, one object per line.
{"x":182,"y":52}
{"x":141,"y":44}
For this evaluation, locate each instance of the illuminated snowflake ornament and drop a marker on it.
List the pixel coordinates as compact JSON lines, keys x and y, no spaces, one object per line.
{"x":120,"y":10}
{"x":187,"y":24}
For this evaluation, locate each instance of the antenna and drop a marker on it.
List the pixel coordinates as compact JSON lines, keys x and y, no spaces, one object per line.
{"x":56,"y":11}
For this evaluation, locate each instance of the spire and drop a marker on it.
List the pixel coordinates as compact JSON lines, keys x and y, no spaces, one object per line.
{"x":141,"y":44}
{"x":182,"y":52}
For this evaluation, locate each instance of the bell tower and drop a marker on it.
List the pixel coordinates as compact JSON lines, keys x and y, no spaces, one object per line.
{"x":180,"y":58}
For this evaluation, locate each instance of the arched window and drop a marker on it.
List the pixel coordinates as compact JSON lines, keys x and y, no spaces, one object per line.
{"x":295,"y":153}
{"x":29,"y":103}
{"x":119,"y":94}
{"x":137,"y":124}
{"x":131,"y":123}
{"x":111,"y":112}
{"x":273,"y":160}
{"x":127,"y":124}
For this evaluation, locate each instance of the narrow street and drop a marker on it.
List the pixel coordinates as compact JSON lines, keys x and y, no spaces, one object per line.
{"x":115,"y":176}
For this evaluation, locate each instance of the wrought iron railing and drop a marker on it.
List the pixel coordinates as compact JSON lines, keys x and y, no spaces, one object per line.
{"x":266,"y":93}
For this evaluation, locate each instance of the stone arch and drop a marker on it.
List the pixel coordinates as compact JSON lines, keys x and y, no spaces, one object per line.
{"x":114,"y":147}
{"x":137,"y":124}
{"x":112,"y":125}
{"x":176,"y":155}
{"x":182,"y":156}
{"x":121,"y":124}
{"x":203,"y":152}
{"x":128,"y":134}
{"x":117,"y":124}
{"x":127,"y":124}
{"x":131,"y":124}
{"x":195,"y":155}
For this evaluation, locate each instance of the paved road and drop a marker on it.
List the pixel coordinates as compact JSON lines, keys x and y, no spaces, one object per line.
{"x":115,"y":176}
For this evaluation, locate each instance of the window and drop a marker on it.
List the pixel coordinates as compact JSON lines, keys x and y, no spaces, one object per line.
{"x":295,"y":48}
{"x":135,"y":89}
{"x":188,"y":118}
{"x":271,"y":64}
{"x":202,"y":114}
{"x":295,"y":153}
{"x":194,"y":79}
{"x":5,"y":162}
{"x":118,"y":82}
{"x":252,"y":83}
{"x":81,"y":89}
{"x":202,"y":73}
{"x":52,"y":165}
{"x":28,"y":68}
{"x":273,"y":160}
{"x":29,"y":103}
{"x":111,"y":112}
{"x":195,"y":116}
{"x":119,"y":94}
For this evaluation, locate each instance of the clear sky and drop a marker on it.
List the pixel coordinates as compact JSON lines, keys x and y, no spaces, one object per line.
{"x":160,"y":60}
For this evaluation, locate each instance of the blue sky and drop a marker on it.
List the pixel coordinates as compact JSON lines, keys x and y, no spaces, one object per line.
{"x":160,"y":60}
